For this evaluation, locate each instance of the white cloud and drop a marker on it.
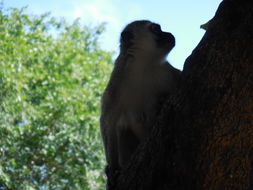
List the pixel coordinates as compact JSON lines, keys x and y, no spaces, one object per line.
{"x":100,"y":11}
{"x":96,"y":11}
{"x":115,"y":13}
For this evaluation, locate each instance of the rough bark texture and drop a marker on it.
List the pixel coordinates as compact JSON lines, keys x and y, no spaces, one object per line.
{"x":203,"y":138}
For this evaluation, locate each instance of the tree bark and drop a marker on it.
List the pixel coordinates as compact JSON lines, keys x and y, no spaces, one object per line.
{"x":203,"y":137}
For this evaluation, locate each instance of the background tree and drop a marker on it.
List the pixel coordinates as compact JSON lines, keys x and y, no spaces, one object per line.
{"x":203,"y":138}
{"x":51,"y":77}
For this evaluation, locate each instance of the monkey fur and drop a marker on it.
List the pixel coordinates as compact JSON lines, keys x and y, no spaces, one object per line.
{"x":141,"y":75}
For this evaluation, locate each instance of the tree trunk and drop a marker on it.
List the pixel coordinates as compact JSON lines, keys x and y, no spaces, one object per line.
{"x":203,"y":138}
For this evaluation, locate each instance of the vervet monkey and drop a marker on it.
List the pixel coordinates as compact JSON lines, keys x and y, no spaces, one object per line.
{"x":140,"y":77}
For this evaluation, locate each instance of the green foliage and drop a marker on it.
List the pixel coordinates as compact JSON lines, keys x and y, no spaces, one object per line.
{"x":205,"y":26}
{"x":51,"y":77}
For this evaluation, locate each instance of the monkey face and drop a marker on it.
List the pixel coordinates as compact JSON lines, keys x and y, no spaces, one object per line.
{"x":147,"y":37}
{"x":164,"y":40}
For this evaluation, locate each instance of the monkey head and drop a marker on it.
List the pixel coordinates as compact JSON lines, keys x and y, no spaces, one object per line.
{"x":145,"y":37}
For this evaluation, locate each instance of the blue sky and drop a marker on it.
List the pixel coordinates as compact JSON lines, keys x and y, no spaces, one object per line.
{"x":180,"y":17}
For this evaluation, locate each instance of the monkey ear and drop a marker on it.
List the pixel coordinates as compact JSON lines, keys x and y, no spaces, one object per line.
{"x":126,"y":38}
